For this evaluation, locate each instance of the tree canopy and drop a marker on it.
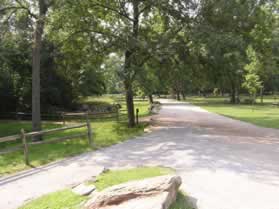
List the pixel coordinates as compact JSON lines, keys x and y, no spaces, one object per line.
{"x":90,"y":47}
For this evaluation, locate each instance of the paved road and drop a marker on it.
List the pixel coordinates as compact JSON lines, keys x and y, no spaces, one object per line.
{"x":224,"y":163}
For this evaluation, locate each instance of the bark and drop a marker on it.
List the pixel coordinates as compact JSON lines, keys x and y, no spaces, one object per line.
{"x":233,"y":93}
{"x":237,"y":99}
{"x":183,"y":96}
{"x":129,"y":90}
{"x":130,"y":104}
{"x":178,"y":96}
{"x":261,"y":92}
{"x":129,"y":62}
{"x":36,"y":59}
{"x":150,"y":97}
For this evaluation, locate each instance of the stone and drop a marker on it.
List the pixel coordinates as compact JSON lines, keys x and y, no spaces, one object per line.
{"x":84,"y":190}
{"x":153,"y":193}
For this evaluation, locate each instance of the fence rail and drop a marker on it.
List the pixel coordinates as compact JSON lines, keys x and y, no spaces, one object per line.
{"x":25,"y":136}
{"x":9,"y":138}
{"x":64,"y":116}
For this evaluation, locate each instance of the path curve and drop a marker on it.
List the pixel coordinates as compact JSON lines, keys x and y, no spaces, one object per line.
{"x":224,"y":163}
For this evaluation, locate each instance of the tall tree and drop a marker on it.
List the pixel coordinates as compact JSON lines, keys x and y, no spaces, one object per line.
{"x":37,"y":11}
{"x":122,"y":26}
{"x":43,"y":6}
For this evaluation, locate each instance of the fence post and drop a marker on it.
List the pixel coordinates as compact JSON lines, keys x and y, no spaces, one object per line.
{"x":137,"y":116}
{"x":89,"y":130}
{"x":25,"y":147}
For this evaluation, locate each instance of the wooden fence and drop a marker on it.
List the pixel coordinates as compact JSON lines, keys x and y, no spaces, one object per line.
{"x":93,"y":116}
{"x":63,"y":116}
{"x":25,"y":136}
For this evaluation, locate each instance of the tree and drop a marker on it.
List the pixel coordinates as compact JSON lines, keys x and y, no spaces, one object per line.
{"x":112,"y":67}
{"x":40,"y":7}
{"x":43,"y":6}
{"x":252,"y":79}
{"x":224,"y":32}
{"x":121,"y":27}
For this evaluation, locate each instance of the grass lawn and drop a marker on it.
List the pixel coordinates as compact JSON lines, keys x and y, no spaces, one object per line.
{"x":112,"y":178}
{"x":265,"y":115}
{"x":100,"y":100}
{"x":142,"y":105}
{"x":67,"y":200}
{"x":106,"y":133}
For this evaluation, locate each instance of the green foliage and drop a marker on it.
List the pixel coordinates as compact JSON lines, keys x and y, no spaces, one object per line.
{"x":112,"y":69}
{"x":252,"y":79}
{"x":93,"y":47}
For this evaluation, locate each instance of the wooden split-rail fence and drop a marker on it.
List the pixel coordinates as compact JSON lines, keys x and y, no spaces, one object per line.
{"x":25,"y":143}
{"x":24,"y":137}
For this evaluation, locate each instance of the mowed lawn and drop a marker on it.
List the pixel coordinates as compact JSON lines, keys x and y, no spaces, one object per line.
{"x":141,"y":104}
{"x":106,"y":132}
{"x":265,"y":115}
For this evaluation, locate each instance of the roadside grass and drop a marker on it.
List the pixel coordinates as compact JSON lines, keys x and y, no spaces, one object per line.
{"x":68,"y":200}
{"x":115,"y":177}
{"x":142,"y":105}
{"x":265,"y":115}
{"x":12,"y":127}
{"x":106,"y":133}
{"x":64,"y":199}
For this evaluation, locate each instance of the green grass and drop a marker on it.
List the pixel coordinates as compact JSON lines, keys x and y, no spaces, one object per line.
{"x":142,"y":105}
{"x":106,"y":133}
{"x":8,"y":128}
{"x":265,"y":115}
{"x":67,"y":200}
{"x":64,"y":199}
{"x":112,"y":178}
{"x":100,"y":100}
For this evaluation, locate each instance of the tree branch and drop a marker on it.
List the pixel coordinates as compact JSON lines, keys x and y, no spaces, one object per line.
{"x":20,"y":7}
{"x":123,"y":14}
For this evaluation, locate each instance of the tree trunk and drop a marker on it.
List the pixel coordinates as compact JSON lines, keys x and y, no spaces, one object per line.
{"x":178,"y":96}
{"x":36,"y":59}
{"x":262,"y":92}
{"x":130,"y":104}
{"x":183,"y":96}
{"x":129,"y":89}
{"x":129,"y":64}
{"x":237,"y":99}
{"x":233,"y":94}
{"x":150,"y":96}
